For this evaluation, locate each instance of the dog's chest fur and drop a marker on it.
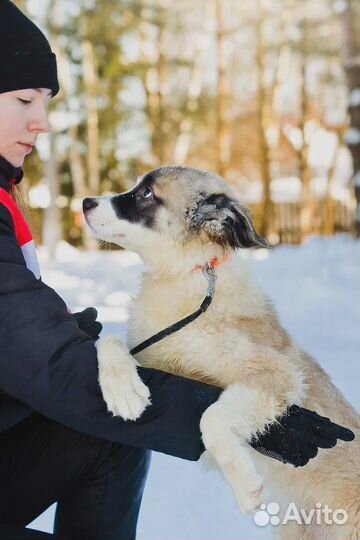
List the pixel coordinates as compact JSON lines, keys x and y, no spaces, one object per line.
{"x":208,"y":349}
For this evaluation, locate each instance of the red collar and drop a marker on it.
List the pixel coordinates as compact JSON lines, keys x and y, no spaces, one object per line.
{"x":214,"y":262}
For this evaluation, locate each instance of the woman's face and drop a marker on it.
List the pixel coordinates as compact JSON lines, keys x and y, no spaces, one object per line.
{"x":23,"y":116}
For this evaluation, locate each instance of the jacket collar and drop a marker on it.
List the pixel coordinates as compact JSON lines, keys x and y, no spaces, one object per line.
{"x":9,"y":174}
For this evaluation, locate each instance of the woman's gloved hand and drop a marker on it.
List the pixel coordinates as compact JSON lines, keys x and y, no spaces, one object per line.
{"x":87,"y":322}
{"x":298,"y":435}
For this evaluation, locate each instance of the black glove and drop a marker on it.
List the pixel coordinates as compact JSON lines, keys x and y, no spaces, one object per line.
{"x":297,"y":435}
{"x":87,"y":322}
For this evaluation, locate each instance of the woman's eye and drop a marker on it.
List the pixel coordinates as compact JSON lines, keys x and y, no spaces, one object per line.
{"x":24,"y":101}
{"x":147,"y":193}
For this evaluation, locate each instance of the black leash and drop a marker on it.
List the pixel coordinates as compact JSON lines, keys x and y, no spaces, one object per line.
{"x":209,"y":273}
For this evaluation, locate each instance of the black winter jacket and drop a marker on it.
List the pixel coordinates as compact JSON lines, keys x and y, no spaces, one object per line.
{"x":49,"y":365}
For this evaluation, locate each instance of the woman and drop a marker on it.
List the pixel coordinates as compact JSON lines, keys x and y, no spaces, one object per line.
{"x":57,"y":441}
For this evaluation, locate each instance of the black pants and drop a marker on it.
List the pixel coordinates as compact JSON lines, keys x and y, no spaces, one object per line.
{"x":98,"y":485}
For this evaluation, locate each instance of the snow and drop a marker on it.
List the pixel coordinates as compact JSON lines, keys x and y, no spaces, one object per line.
{"x":316,"y":290}
{"x":288,"y":189}
{"x":39,"y":196}
{"x":322,"y":147}
{"x":354,"y":98}
{"x":353,"y":136}
{"x":340,"y":6}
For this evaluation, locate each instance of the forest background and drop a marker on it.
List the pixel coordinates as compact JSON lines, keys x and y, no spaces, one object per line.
{"x":264,"y":92}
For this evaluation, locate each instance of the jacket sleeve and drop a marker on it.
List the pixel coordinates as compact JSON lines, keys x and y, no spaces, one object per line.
{"x":49,"y":364}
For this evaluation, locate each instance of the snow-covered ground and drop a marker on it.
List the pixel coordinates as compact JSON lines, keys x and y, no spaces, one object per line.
{"x":316,"y":290}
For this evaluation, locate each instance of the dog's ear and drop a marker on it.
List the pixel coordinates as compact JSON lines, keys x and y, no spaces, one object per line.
{"x":226,"y":221}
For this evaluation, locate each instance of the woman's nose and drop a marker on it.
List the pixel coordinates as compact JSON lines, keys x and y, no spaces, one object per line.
{"x":40,"y":122}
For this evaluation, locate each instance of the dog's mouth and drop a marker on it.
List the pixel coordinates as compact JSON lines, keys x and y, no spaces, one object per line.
{"x":88,"y":221}
{"x":87,"y":216}
{"x":98,"y":222}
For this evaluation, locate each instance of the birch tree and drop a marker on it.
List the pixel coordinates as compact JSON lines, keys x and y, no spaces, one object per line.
{"x":222,"y":93}
{"x":91,"y":87}
{"x":52,"y":227}
{"x":351,"y":52}
{"x":262,"y":121}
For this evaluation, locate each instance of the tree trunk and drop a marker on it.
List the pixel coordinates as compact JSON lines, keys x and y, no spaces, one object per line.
{"x":304,"y":172}
{"x":90,"y":83}
{"x":159,"y":135}
{"x":264,"y":149}
{"x":154,"y":85}
{"x":52,"y":228}
{"x":222,"y":100}
{"x":52,"y":222}
{"x":183,"y":142}
{"x":351,"y":50}
{"x":75,"y":160}
{"x":79,"y":185}
{"x":329,"y":224}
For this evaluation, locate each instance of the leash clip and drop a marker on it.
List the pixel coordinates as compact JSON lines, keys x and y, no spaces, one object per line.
{"x":210,"y":274}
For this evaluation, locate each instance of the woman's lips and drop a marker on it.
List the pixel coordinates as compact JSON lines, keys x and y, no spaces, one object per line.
{"x":27,"y":147}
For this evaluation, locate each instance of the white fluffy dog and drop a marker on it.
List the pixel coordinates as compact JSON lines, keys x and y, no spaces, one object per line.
{"x":178,"y":220}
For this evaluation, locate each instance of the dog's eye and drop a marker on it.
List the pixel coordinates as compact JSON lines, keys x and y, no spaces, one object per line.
{"x":147,"y":193}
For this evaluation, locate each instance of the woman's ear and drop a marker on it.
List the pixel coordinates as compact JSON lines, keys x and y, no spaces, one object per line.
{"x":226,"y":221}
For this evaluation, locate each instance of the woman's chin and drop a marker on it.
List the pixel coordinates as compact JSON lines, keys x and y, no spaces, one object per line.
{"x":15,"y":161}
{"x":20,"y":162}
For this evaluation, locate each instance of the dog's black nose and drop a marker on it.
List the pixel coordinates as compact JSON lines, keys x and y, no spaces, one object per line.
{"x":89,"y":203}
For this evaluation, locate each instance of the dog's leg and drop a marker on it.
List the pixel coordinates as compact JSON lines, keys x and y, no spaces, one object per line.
{"x":124,"y":392}
{"x":290,"y":531}
{"x":227,"y":425}
{"x":232,"y":456}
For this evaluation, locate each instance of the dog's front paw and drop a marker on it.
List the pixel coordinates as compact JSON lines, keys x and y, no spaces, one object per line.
{"x":249,"y":494}
{"x":123,"y":391}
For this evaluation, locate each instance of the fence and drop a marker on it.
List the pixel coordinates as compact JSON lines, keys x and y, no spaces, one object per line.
{"x":328,"y":217}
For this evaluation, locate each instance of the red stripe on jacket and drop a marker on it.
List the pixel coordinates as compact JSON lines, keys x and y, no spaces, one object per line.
{"x":22,"y":231}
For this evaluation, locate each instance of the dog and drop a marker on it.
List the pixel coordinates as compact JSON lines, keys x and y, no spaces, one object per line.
{"x":178,"y":220}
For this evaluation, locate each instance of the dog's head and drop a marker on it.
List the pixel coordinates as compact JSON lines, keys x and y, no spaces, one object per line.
{"x":174,"y":207}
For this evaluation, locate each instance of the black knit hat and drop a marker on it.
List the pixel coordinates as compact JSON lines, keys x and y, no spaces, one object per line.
{"x":26,"y":59}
